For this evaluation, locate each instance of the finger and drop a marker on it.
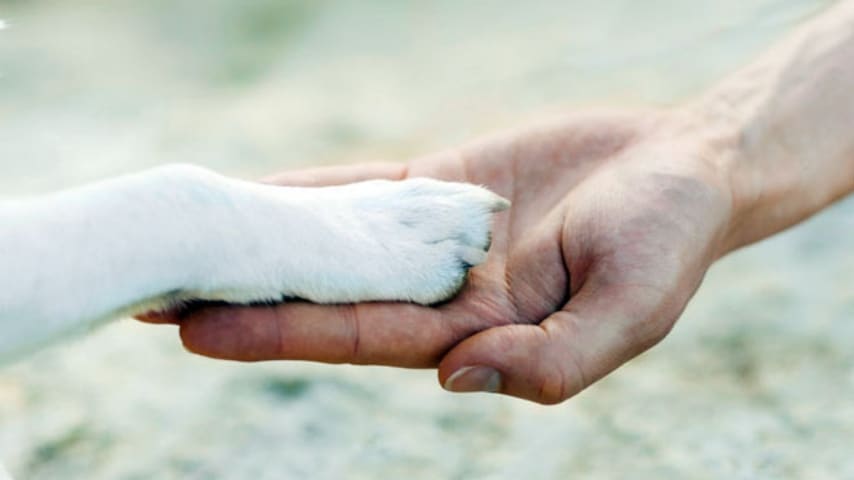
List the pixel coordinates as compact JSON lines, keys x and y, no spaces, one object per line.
{"x":339,"y":174}
{"x":599,"y":330}
{"x":402,"y":335}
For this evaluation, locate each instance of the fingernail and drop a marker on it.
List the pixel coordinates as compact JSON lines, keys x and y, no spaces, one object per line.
{"x":474,"y":379}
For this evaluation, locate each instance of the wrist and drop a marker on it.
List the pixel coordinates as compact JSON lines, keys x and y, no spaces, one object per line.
{"x":733,"y":149}
{"x":779,"y":168}
{"x":712,"y":151}
{"x":762,"y":181}
{"x":779,"y":130}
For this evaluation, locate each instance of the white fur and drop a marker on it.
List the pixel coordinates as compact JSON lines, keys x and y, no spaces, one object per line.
{"x":152,"y":240}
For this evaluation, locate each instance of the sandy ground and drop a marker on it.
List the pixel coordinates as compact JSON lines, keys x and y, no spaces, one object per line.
{"x":755,"y":382}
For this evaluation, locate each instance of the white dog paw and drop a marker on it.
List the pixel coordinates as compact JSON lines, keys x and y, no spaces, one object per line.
{"x":413,"y":240}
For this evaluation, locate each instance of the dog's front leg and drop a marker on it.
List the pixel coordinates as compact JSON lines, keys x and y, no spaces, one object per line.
{"x":73,"y":258}
{"x":180,"y":233}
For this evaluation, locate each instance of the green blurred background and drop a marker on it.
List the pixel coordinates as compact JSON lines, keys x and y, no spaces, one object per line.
{"x":755,"y":382}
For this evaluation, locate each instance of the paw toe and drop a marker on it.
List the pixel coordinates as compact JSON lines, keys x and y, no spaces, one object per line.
{"x":472,"y":256}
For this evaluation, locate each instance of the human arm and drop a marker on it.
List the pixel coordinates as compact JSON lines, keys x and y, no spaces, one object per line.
{"x":784,"y":127}
{"x":615,"y":219}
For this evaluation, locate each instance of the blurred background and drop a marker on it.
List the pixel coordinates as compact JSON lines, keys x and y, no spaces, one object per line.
{"x":756,"y":381}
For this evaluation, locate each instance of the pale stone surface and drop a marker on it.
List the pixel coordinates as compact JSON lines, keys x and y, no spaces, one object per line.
{"x":755,"y":382}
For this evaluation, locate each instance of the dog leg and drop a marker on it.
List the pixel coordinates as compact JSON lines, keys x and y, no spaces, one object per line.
{"x":180,"y":233}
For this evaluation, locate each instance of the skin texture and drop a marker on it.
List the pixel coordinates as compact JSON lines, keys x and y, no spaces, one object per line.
{"x":615,"y":219}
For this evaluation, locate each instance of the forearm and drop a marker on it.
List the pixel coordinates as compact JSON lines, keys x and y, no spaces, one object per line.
{"x":783,"y":128}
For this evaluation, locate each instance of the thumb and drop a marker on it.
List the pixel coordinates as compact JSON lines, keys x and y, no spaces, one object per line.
{"x":595,"y":333}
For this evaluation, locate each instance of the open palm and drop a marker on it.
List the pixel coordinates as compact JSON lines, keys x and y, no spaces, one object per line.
{"x":615,"y":220}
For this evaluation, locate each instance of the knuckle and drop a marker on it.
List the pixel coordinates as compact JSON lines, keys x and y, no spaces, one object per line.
{"x":354,"y":332}
{"x":647,"y":333}
{"x":551,"y":391}
{"x":556,"y":386}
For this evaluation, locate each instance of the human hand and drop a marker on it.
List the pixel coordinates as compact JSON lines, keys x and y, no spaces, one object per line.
{"x":615,"y":220}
